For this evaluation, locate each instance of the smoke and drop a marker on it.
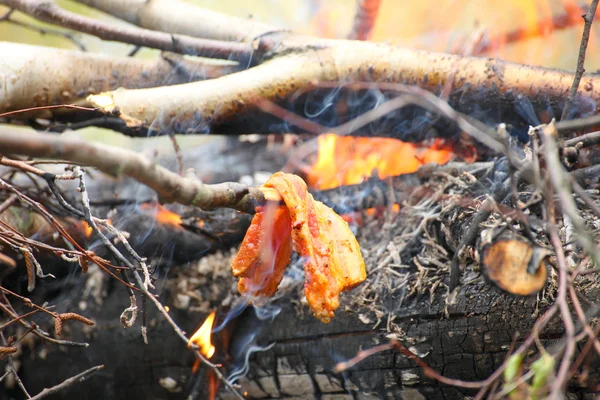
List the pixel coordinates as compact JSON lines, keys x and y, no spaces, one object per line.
{"x":313,"y":107}
{"x":249,"y":349}
{"x":238,"y":308}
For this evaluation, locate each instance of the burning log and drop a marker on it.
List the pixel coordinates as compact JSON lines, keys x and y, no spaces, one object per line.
{"x":466,"y":339}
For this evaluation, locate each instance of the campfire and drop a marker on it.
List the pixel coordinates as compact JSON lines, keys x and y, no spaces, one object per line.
{"x":302,"y":212}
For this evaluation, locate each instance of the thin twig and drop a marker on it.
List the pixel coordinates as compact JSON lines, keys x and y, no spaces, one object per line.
{"x":410,"y":95}
{"x":560,"y":180}
{"x":24,"y":110}
{"x":79,"y":251}
{"x":38,"y":332}
{"x":585,"y":37}
{"x":48,"y":31}
{"x":79,"y":378}
{"x":143,"y":287}
{"x":533,"y":336}
{"x":13,"y":368}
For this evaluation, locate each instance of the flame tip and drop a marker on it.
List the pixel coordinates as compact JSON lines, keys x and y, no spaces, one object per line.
{"x":201,"y":337}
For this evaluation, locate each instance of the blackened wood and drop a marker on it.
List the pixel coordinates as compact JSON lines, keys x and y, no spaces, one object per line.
{"x":468,"y":344}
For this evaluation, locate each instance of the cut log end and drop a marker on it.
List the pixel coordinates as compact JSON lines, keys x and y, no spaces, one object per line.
{"x":508,"y":264}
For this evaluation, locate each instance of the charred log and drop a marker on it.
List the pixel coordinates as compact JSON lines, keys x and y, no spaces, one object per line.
{"x":467,"y":340}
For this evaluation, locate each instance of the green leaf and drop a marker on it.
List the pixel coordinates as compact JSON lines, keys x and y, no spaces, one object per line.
{"x":542,"y":368}
{"x":512,"y":368}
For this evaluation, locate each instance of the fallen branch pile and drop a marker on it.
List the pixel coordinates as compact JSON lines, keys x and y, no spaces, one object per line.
{"x":524,"y":216}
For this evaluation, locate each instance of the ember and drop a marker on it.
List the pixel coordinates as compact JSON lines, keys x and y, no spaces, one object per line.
{"x":162,"y":214}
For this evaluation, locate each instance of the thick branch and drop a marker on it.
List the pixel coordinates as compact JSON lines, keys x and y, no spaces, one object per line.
{"x":229,"y":103}
{"x":35,"y":76}
{"x":48,"y":11}
{"x":169,"y":186}
{"x":175,"y":16}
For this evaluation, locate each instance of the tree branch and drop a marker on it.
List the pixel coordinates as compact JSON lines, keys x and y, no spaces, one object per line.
{"x":169,"y":186}
{"x":37,"y":76}
{"x":228,"y":103}
{"x":175,"y":16}
{"x":48,"y":11}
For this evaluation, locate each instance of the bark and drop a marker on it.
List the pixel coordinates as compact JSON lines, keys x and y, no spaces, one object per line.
{"x":35,"y":76}
{"x":468,"y":344}
{"x":488,"y":89}
{"x":175,"y":16}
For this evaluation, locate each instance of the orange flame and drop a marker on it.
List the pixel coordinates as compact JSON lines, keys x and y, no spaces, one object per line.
{"x":202,"y":337}
{"x":88,"y":230}
{"x":346,"y":160}
{"x":162,"y":215}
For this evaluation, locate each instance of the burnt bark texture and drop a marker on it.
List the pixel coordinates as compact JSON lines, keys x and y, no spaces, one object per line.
{"x":467,"y":344}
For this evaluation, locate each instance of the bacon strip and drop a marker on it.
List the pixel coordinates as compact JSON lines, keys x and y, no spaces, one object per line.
{"x":333,"y":262}
{"x":332,"y":259}
{"x":264,"y":253}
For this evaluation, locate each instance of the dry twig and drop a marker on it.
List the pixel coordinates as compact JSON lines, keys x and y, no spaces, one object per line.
{"x":588,"y":18}
{"x":79,"y":378}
